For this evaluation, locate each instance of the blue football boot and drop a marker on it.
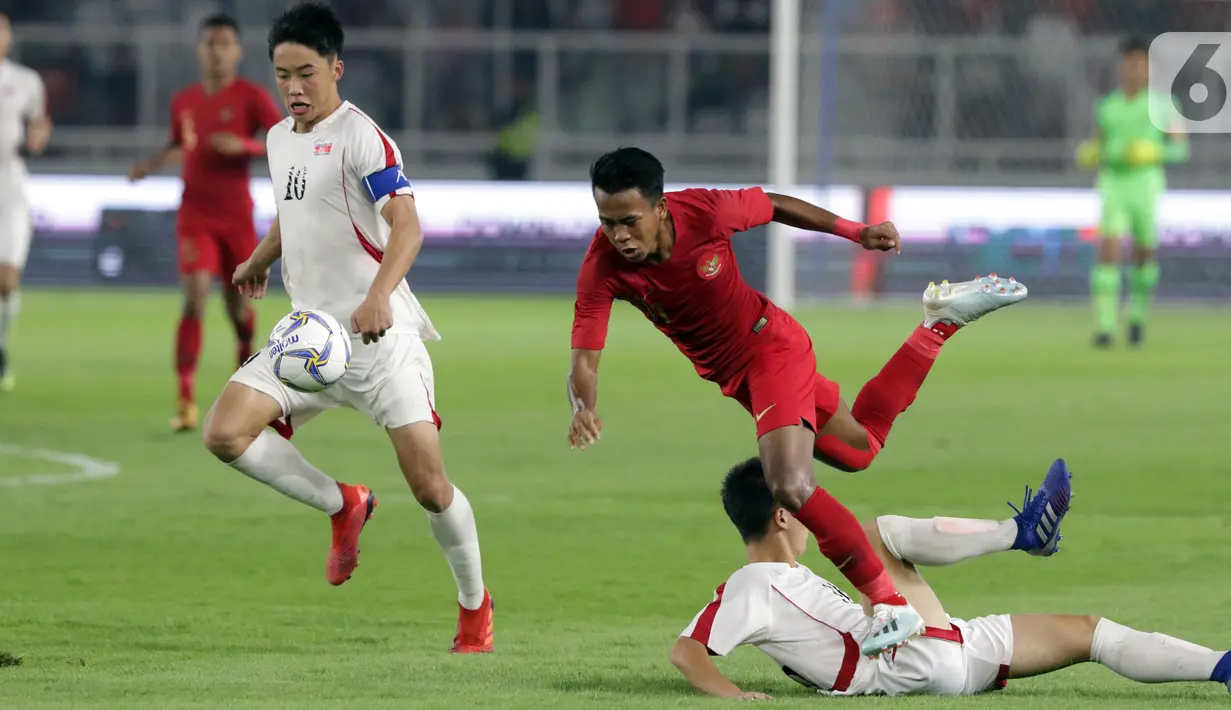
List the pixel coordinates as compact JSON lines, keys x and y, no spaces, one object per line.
{"x":1038,"y":521}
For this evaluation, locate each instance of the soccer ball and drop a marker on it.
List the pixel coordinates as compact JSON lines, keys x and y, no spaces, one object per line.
{"x":309,"y":351}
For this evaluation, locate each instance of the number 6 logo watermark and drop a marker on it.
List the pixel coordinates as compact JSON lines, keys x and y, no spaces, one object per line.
{"x":1192,"y":70}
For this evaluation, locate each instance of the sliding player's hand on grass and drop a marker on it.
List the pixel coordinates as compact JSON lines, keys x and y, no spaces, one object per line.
{"x":585,"y":430}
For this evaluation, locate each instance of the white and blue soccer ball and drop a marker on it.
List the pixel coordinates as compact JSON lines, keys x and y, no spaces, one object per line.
{"x":309,"y":350}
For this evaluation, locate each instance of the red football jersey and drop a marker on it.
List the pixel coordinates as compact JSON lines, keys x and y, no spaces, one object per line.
{"x":217,"y":185}
{"x":697,"y":297}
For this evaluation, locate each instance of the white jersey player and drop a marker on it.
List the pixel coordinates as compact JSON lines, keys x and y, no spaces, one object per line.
{"x":812,"y":629}
{"x":23,"y":124}
{"x":347,"y":232}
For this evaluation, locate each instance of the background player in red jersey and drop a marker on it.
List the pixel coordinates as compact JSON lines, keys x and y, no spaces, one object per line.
{"x":671,"y":256}
{"x":214,"y":129}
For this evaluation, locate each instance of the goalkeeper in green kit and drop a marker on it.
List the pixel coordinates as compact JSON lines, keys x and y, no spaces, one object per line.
{"x":1129,"y":152}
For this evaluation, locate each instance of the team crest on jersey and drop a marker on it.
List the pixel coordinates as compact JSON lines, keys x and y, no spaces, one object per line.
{"x":709,"y":266}
{"x":225,"y":114}
{"x":322,"y":149}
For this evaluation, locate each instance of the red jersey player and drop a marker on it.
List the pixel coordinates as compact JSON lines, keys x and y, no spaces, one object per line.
{"x":214,"y":129}
{"x":671,"y":256}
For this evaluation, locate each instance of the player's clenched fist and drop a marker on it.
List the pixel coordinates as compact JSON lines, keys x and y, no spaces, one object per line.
{"x":881,"y":237}
{"x":372,"y":319}
{"x":251,"y":280}
{"x":586,"y":429}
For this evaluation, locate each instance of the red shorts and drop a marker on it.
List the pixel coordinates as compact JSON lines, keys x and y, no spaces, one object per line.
{"x":214,"y":246}
{"x":781,"y":387}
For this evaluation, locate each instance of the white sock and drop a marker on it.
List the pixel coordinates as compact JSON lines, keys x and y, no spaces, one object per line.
{"x":944,"y":541}
{"x":455,"y":532}
{"x":1150,"y":658}
{"x":276,"y":462}
{"x":9,"y":308}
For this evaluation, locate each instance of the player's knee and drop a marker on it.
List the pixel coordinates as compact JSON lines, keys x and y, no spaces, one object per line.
{"x":227,"y":443}
{"x":434,"y":493}
{"x":791,"y":487}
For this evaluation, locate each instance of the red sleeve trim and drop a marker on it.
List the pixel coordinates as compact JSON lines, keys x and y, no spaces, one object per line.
{"x":705,"y":624}
{"x":390,"y":156}
{"x":850,"y":653}
{"x":367,"y":245}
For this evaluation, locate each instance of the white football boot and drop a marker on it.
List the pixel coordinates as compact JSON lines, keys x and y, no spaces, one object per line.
{"x":893,"y":626}
{"x":948,"y":307}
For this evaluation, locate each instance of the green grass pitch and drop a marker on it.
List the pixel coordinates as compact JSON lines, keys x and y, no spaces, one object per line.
{"x":182,"y":584}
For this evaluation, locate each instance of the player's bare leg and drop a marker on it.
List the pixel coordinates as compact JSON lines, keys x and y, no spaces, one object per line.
{"x":851,"y":439}
{"x":243,"y":321}
{"x":196,"y":287}
{"x":236,"y":431}
{"x":786,"y":456}
{"x":10,"y":305}
{"x":908,"y":581}
{"x":1043,"y":643}
{"x":452,"y":521}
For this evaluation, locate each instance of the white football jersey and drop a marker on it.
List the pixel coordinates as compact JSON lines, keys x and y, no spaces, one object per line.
{"x":22,"y":99}
{"x":810,"y":627}
{"x":330,"y":185}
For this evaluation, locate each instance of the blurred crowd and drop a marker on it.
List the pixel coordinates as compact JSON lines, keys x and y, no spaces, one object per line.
{"x":1026,"y":94}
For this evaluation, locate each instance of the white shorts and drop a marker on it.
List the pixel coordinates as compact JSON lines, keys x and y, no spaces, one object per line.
{"x":972,"y":659}
{"x":15,"y":231}
{"x":390,"y":381}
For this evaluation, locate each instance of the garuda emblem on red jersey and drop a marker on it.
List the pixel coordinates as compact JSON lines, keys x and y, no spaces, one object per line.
{"x":709,"y":266}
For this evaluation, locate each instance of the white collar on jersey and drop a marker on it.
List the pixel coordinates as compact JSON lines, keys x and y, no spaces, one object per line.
{"x":324,"y":122}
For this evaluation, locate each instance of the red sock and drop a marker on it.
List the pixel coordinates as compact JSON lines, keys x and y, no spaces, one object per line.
{"x":844,"y":457}
{"x":187,"y":350}
{"x":893,"y":389}
{"x":245,"y":327}
{"x":842,"y":540}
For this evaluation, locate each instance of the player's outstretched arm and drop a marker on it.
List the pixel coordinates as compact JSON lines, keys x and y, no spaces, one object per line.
{"x":169,"y":155}
{"x":375,"y":315}
{"x":794,"y":212}
{"x":586,"y":427}
{"x":693,"y":661}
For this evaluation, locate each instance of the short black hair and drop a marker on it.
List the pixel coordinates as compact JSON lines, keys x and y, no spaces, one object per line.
{"x":1134,"y":43}
{"x":747,"y":499}
{"x":310,"y":24}
{"x":628,"y":168}
{"x":220,"y":21}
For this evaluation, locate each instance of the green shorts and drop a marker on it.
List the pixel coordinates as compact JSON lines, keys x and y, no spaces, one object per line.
{"x":1128,"y":208}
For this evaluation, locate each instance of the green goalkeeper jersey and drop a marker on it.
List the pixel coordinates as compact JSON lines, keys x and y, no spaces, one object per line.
{"x":1124,"y":120}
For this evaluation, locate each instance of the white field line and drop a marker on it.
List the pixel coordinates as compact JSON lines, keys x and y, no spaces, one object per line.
{"x":85,"y":467}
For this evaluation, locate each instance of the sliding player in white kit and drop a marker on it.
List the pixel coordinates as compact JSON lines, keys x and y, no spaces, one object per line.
{"x":23,"y":122}
{"x":347,"y":231}
{"x":812,"y":629}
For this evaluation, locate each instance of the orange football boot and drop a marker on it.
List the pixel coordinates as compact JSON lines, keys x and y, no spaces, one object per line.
{"x":358,"y":504}
{"x":475,"y":633}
